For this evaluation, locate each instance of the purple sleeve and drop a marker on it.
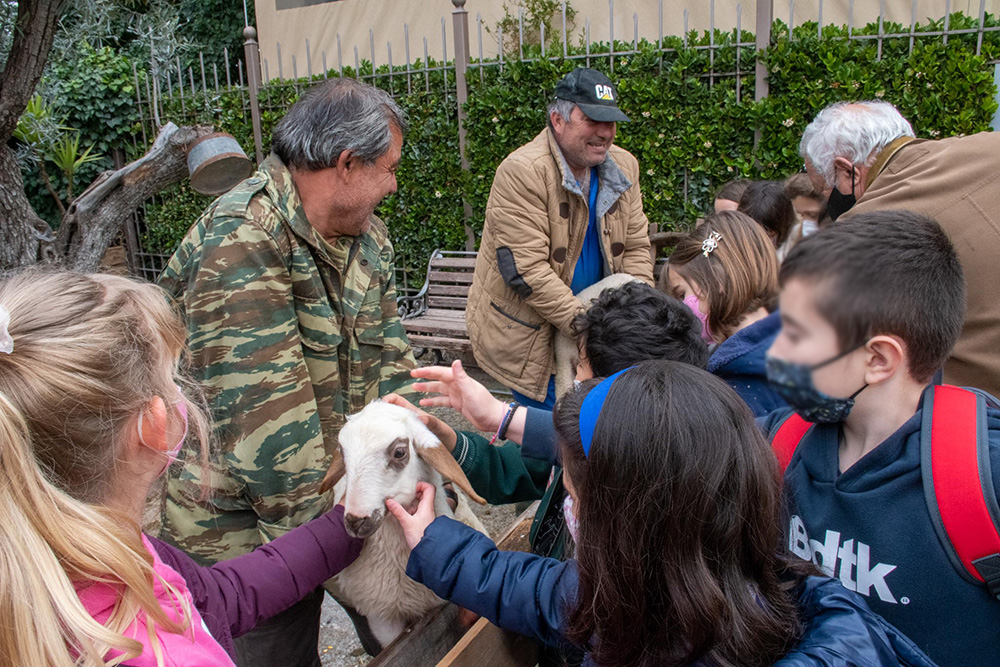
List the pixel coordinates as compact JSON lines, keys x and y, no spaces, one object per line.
{"x":234,"y":595}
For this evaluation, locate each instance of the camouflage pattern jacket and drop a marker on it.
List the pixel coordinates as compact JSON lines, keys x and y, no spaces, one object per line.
{"x":288,"y":334}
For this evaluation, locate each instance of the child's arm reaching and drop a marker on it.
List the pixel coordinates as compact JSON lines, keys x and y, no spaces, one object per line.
{"x":520,"y":592}
{"x":241,"y":592}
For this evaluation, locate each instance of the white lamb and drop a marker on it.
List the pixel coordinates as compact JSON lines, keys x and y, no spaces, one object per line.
{"x":566,"y":352}
{"x":384,"y":451}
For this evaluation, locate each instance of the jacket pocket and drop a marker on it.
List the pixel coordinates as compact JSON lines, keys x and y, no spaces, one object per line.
{"x":500,"y":310}
{"x":509,"y":332}
{"x":317,"y":325}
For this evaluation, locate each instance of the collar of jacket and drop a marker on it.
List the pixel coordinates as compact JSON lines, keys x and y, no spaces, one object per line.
{"x":613,"y":182}
{"x":883,"y":158}
{"x":282,"y":191}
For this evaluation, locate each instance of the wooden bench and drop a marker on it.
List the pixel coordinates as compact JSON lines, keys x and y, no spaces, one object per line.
{"x":434,"y":318}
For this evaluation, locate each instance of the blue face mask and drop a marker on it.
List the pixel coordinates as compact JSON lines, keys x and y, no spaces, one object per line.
{"x":795,"y":384}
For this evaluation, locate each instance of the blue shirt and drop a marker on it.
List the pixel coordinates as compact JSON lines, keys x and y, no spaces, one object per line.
{"x":870,"y":527}
{"x":590,"y":267}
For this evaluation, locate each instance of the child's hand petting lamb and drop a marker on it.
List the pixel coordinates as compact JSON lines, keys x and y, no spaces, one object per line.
{"x":415,"y":524}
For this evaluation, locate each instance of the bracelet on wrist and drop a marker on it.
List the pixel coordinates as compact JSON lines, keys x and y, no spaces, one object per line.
{"x":504,"y":423}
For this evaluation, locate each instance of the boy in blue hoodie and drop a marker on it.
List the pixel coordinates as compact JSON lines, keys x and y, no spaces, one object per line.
{"x":870,"y":308}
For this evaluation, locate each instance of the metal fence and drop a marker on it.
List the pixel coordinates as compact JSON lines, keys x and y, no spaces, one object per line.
{"x":263,"y":86}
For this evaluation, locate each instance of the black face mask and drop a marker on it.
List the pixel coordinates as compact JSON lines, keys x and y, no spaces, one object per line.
{"x":839,"y":203}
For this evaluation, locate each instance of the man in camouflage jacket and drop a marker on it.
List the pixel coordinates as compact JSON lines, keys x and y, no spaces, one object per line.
{"x":290,"y":302}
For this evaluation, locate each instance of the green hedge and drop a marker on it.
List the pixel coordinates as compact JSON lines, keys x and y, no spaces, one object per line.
{"x":680,"y":121}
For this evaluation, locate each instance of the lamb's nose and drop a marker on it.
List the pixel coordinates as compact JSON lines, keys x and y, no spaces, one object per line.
{"x":359,"y":526}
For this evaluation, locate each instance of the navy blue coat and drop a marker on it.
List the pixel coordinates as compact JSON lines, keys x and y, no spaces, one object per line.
{"x":739,"y":360}
{"x":532,"y":595}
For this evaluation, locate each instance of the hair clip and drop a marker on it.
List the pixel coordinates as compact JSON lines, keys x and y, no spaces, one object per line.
{"x":710,"y":243}
{"x":6,"y":342}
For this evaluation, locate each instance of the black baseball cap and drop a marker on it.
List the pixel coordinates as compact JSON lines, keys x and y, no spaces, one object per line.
{"x":593,"y":92}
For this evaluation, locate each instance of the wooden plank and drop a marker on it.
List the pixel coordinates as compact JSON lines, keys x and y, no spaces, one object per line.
{"x":463,"y":263}
{"x":455,"y":302}
{"x":425,"y":643}
{"x":448,"y":290}
{"x":446,"y":315}
{"x":486,"y":644}
{"x":452,"y":329}
{"x":461,"y":277}
{"x":438,"y":343}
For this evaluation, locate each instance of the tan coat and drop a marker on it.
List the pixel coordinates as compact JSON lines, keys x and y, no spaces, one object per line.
{"x":956,"y":181}
{"x":536,"y":220}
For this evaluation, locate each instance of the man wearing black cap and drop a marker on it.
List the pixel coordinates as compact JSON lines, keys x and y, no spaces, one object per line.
{"x":564,"y":212}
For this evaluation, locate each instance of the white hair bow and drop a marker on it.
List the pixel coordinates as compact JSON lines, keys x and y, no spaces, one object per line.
{"x":6,"y":342}
{"x":710,"y":243}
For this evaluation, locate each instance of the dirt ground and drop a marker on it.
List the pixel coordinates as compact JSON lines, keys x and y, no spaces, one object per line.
{"x":338,"y":645}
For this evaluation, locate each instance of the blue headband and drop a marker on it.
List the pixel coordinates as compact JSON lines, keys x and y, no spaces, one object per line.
{"x":590,"y":411}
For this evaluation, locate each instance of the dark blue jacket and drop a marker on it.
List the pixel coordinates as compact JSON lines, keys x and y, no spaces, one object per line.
{"x":739,"y":360}
{"x":532,"y":596}
{"x":870,"y":527}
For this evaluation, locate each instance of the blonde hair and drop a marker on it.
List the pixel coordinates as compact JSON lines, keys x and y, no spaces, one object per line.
{"x":90,"y":353}
{"x":739,"y":276}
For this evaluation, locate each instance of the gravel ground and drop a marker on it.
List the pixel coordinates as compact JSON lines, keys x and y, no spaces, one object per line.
{"x":338,"y":645}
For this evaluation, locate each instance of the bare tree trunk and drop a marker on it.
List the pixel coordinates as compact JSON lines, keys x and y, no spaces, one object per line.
{"x":23,"y":233}
{"x":34,"y":31}
{"x":97,"y":215}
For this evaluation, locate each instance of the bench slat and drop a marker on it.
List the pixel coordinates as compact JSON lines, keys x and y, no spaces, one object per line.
{"x":448,"y":290}
{"x":465,"y":263}
{"x":453,"y":302}
{"x":454,"y":328}
{"x":440,"y":343}
{"x":461,"y":277}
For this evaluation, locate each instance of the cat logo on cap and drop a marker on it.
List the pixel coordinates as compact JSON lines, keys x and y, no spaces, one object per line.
{"x":604,"y":92}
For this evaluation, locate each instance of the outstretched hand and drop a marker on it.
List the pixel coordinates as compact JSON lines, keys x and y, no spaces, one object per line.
{"x":460,"y":392}
{"x":414,"y":524}
{"x":441,"y":431}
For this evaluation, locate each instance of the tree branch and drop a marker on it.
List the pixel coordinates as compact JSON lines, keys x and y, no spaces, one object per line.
{"x":97,"y":215}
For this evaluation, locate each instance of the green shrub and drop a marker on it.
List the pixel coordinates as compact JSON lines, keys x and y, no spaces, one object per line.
{"x":688,"y":131}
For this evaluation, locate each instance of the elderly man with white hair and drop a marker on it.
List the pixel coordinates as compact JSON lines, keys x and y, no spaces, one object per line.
{"x":865,"y":157}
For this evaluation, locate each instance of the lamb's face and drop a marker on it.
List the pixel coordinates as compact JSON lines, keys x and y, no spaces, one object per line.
{"x":381,"y":446}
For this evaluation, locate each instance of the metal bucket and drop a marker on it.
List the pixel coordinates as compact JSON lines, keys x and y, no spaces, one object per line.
{"x":217,"y":163}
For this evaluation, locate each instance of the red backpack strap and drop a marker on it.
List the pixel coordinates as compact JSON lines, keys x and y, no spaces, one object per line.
{"x":786,"y":439}
{"x":958,"y":483}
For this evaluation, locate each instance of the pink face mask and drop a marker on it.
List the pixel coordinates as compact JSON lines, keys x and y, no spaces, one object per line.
{"x":174,"y":450}
{"x":572,"y":524}
{"x":692,"y":302}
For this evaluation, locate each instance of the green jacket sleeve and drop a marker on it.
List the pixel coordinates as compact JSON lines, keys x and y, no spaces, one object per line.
{"x":499,"y":473}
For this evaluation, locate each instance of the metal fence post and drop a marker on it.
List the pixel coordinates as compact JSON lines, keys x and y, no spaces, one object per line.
{"x":765,"y":16}
{"x":253,"y":86}
{"x":460,"y":18}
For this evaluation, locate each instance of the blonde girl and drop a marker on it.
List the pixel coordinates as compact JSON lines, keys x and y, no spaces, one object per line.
{"x":92,"y":411}
{"x":727,"y":273}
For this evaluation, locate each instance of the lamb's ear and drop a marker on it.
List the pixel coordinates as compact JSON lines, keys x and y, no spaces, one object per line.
{"x":335,"y":472}
{"x":441,"y":460}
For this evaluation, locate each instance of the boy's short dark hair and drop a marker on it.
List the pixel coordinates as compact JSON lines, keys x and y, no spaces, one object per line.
{"x":767,"y":203}
{"x":886,"y":273}
{"x":634,"y":323}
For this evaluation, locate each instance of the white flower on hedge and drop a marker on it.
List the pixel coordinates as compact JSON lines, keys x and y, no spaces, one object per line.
{"x":880,"y":94}
{"x":495,"y":119}
{"x":650,"y":172}
{"x":646,"y":114}
{"x":438,"y":194}
{"x":660,"y":135}
{"x":708,"y":144}
{"x":788,"y":122}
